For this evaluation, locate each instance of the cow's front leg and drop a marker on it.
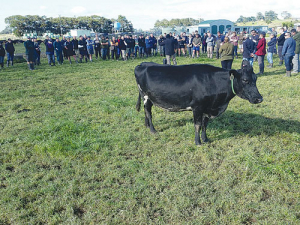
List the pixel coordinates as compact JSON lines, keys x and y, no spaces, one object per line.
{"x":148,"y":115}
{"x":204,"y":125}
{"x":197,"y":123}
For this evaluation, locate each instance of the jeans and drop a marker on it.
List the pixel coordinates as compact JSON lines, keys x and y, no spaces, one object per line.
{"x":136,"y":50}
{"x":162,"y":50}
{"x":270,"y":57}
{"x":59,"y":57}
{"x":250,"y":60}
{"x":226,"y":64}
{"x":288,"y":62}
{"x":104,"y":53}
{"x":141,"y":51}
{"x":204,"y":48}
{"x":51,"y":58}
{"x":1,"y":59}
{"x":296,"y":63}
{"x":10,"y":57}
{"x":235,"y":50}
{"x":217,"y":52}
{"x":169,"y":59}
{"x":280,"y":53}
{"x":261,"y":63}
{"x":190,"y":51}
{"x":114,"y":54}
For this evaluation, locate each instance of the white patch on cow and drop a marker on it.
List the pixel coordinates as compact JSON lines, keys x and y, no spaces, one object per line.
{"x":189,"y":108}
{"x":145,"y":99}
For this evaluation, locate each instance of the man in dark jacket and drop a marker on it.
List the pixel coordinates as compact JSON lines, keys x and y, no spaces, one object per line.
{"x":248,"y":49}
{"x":142,"y":45}
{"x":280,"y":41}
{"x":169,"y":44}
{"x":288,"y":51}
{"x":255,"y":38}
{"x":29,"y":46}
{"x":10,"y":51}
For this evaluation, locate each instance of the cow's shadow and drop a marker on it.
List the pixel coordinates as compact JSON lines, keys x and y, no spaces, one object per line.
{"x":235,"y":124}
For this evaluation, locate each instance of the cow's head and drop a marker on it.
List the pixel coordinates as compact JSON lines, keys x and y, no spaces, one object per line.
{"x":245,"y":83}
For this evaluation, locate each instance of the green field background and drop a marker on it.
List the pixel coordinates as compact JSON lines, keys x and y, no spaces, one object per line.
{"x":73,"y":150}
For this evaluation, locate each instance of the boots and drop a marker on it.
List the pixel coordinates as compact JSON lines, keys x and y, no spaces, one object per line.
{"x":280,"y":62}
{"x":288,"y":74}
{"x":86,"y":60}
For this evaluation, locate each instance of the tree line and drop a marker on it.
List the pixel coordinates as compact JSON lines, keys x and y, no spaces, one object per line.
{"x":268,"y":17}
{"x":177,"y":22}
{"x":61,"y":25}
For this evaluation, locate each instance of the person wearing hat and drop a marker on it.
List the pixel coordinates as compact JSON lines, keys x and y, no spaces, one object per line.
{"x":261,"y":52}
{"x":90,"y":47}
{"x":29,"y":47}
{"x":2,"y":55}
{"x":10,"y":51}
{"x":288,"y":52}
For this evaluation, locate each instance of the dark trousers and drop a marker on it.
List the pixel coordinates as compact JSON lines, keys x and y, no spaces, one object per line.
{"x":59,"y":57}
{"x":97,"y":52}
{"x":280,"y":53}
{"x":114,"y":54}
{"x":204,"y":48}
{"x":288,"y":62}
{"x":261,"y":63}
{"x":226,"y":64}
{"x":65,"y":52}
{"x":104,"y":53}
{"x":235,"y":50}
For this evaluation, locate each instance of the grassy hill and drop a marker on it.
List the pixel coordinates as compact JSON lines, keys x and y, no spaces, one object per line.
{"x":73,"y":150}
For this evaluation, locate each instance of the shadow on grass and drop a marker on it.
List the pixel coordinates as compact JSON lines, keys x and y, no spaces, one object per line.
{"x":235,"y":124}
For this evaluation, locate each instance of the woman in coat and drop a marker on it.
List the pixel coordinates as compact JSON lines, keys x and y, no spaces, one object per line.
{"x":271,"y":50}
{"x":261,"y":52}
{"x":226,"y":52}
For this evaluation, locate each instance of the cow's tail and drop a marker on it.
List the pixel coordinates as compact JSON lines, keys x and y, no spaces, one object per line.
{"x":138,"y":104}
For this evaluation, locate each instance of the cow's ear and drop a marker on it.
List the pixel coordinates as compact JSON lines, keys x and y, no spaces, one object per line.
{"x":235,"y":73}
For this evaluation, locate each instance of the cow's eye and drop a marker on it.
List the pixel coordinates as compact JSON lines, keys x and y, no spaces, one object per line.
{"x":245,"y":81}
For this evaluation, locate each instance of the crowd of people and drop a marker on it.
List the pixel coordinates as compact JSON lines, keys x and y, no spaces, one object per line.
{"x":252,"y":47}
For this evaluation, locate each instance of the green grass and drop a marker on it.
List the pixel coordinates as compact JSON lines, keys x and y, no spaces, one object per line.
{"x":73,"y":150}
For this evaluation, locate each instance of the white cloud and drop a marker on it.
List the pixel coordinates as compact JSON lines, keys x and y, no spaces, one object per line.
{"x":78,"y":9}
{"x":43,"y":7}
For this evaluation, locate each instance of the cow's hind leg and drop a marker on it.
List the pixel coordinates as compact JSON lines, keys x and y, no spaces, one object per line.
{"x":197,"y":124}
{"x":148,"y":114}
{"x":204,"y":125}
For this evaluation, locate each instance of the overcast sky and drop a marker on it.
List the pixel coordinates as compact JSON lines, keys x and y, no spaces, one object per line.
{"x":143,"y":14}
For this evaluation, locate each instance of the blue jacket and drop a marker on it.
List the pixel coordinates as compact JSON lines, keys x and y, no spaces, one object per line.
{"x":289,"y":47}
{"x":57,"y":46}
{"x":248,"y":48}
{"x":272,"y":45}
{"x":149,"y":43}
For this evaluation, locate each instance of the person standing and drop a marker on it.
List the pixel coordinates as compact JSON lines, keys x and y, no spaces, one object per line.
{"x":281,"y":41}
{"x":161,"y":47}
{"x":50,"y":52}
{"x":255,"y":38}
{"x":196,"y":45}
{"x":90,"y":47}
{"x":204,"y":44}
{"x":114,"y":48}
{"x":234,"y":40}
{"x":2,"y":55}
{"x":218,"y":44}
{"x":189,"y":45}
{"x":10,"y":52}
{"x":288,"y":52}
{"x":261,"y":52}
{"x":58,"y":50}
{"x":181,"y":43}
{"x":37,"y":52}
{"x":70,"y":50}
{"x":226,"y":51}
{"x":122,"y":46}
{"x":75,"y":46}
{"x":210,"y":45}
{"x":136,"y":46}
{"x":169,"y":44}
{"x":29,"y":47}
{"x":271,"y":50}
{"x":104,"y":47}
{"x":240,"y":41}
{"x":97,"y":46}
{"x":82,"y":48}
{"x":296,"y":37}
{"x":64,"y":50}
{"x":248,"y":49}
{"x":148,"y":46}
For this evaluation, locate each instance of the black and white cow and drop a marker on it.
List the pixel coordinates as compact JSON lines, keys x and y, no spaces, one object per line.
{"x":204,"y":89}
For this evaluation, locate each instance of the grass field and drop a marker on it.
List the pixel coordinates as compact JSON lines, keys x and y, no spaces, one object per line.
{"x":73,"y":150}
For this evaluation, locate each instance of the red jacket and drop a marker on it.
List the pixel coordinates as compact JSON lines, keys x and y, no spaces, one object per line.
{"x":261,"y":47}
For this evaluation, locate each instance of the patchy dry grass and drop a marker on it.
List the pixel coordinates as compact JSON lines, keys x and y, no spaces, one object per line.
{"x":75,"y":151}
